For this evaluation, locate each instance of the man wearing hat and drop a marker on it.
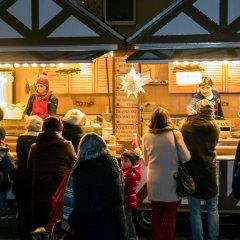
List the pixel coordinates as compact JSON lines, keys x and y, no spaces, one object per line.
{"x":201,"y":134}
{"x":132,"y":175}
{"x":42,"y":103}
{"x":49,"y":159}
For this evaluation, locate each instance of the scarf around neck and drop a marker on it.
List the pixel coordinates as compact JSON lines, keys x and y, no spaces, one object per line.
{"x":44,"y":96}
{"x":160,"y":130}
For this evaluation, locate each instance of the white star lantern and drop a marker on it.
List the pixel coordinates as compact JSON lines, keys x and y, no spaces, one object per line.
{"x":132,"y":82}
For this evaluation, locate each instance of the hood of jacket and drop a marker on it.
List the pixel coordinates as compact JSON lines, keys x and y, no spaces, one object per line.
{"x":75,"y":128}
{"x":105,"y":165}
{"x":202,"y":121}
{"x":45,"y":139}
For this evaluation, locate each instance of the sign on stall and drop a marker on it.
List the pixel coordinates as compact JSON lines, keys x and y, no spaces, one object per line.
{"x":225,"y":128}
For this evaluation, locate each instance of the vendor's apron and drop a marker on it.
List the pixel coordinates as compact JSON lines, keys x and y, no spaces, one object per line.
{"x":40,"y":108}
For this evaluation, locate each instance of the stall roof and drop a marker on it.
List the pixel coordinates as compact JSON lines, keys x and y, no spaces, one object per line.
{"x":190,"y":24}
{"x":170,"y":55}
{"x":54,"y":29}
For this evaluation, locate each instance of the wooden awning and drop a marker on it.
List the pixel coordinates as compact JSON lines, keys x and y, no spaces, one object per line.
{"x":211,"y":29}
{"x":53,"y":30}
{"x":171,"y":55}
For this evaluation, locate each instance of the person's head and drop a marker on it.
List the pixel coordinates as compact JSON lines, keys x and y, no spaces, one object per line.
{"x":205,"y":106}
{"x":33,"y":123}
{"x":91,"y":146}
{"x":160,"y":118}
{"x":129,"y":158}
{"x":42,"y":84}
{"x":74,"y":116}
{"x":205,"y":86}
{"x":2,"y":133}
{"x":52,"y":123}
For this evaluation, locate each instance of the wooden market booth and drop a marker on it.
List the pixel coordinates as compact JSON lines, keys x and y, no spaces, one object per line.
{"x":192,"y":34}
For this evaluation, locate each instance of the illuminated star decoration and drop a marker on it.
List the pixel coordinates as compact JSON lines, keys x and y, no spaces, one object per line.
{"x":132,"y":82}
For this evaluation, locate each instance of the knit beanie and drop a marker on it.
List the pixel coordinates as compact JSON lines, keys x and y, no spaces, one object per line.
{"x":131,"y":155}
{"x":2,"y":133}
{"x":205,"y":106}
{"x":33,"y":123}
{"x":52,"y":123}
{"x":43,"y":79}
{"x":74,"y":116}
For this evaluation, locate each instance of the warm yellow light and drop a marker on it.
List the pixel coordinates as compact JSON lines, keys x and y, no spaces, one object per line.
{"x":7,"y":65}
{"x":61,"y":64}
{"x":25,"y":65}
{"x":16,"y":65}
{"x":43,"y":65}
{"x":185,"y":63}
{"x":175,"y":63}
{"x":52,"y":64}
{"x":34,"y":64}
{"x":225,"y":62}
{"x":195,"y":62}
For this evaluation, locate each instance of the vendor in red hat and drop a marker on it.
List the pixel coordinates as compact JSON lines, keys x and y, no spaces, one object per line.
{"x":42,"y":103}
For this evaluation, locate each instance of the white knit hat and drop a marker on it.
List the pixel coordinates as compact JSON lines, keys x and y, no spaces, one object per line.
{"x":74,"y":116}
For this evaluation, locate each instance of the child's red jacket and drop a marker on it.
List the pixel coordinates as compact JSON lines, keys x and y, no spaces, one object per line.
{"x":132,"y":176}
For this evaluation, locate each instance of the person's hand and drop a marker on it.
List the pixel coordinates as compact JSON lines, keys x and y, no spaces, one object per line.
{"x":191,"y":111}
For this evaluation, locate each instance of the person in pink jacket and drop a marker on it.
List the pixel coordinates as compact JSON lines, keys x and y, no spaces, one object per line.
{"x":132,"y":175}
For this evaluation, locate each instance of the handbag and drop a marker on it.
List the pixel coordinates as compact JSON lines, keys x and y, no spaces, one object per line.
{"x":57,"y":202}
{"x":185,"y":184}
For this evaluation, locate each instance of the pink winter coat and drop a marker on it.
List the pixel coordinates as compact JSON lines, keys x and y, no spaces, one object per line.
{"x":132,"y":176}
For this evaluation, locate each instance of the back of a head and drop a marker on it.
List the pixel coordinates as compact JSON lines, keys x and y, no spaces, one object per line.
{"x":206,"y":81}
{"x":2,"y":133}
{"x":160,"y":118}
{"x":205,"y":106}
{"x":52,"y":123}
{"x":91,"y":146}
{"x":74,"y":116}
{"x":33,"y":123}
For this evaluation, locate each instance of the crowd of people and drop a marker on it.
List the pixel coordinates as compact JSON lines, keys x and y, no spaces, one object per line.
{"x":100,"y":195}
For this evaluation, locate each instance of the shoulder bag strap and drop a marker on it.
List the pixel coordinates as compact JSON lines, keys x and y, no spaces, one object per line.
{"x":176,"y":146}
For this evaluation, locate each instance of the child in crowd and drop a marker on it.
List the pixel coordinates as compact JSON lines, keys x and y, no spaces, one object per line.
{"x":7,"y":168}
{"x":132,"y":175}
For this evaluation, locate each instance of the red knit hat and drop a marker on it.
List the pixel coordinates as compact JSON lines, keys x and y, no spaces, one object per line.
{"x":43,"y":79}
{"x":52,"y":123}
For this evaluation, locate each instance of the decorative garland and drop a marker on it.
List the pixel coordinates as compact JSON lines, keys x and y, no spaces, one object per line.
{"x":187,"y":68}
{"x":68,"y":70}
{"x":3,"y":69}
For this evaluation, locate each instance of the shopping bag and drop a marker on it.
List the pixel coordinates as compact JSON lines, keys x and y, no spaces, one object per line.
{"x":57,"y":203}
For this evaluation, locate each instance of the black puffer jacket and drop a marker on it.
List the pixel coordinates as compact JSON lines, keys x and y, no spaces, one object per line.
{"x":201,"y":135}
{"x":72,"y":133}
{"x":98,"y":198}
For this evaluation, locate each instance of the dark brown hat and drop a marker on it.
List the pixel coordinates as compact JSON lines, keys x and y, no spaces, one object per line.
{"x":131,"y":155}
{"x":53,"y":123}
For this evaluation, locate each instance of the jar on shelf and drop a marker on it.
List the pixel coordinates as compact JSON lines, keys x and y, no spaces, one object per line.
{"x":134,"y":141}
{"x":112,"y":143}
